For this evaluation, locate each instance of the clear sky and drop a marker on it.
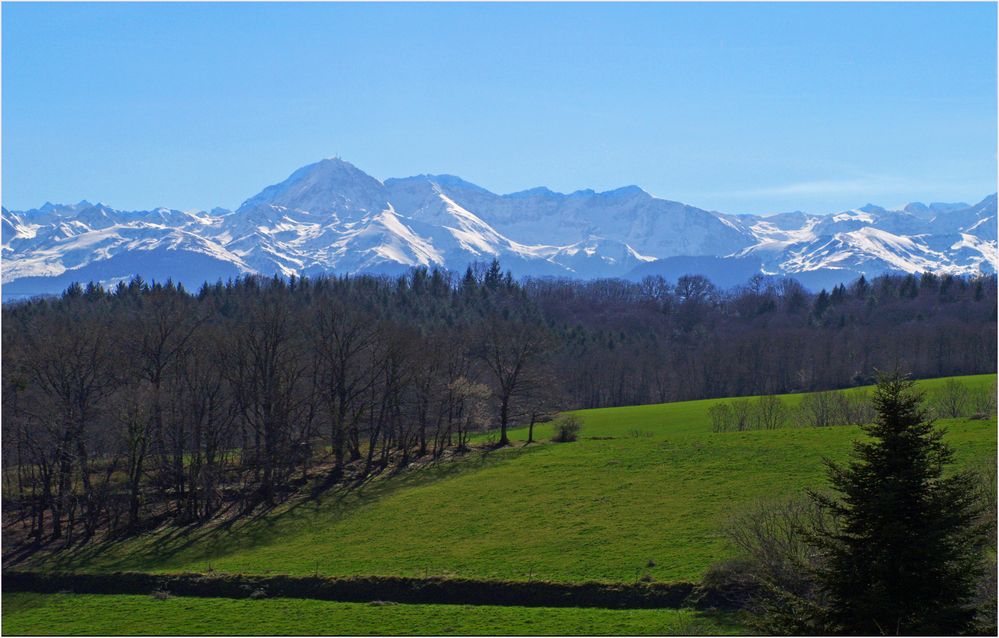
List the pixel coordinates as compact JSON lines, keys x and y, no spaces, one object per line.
{"x":732,"y":107}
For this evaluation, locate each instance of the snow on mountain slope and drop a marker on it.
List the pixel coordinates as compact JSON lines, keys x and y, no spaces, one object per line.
{"x":629,"y":215}
{"x":15,"y":229}
{"x":57,"y":253}
{"x":773,"y":238}
{"x":596,"y":257}
{"x":565,"y":241}
{"x":952,"y":238}
{"x":328,"y":187}
{"x":976,"y":252}
{"x":385,"y":239}
{"x":866,"y":248}
{"x":332,"y":217}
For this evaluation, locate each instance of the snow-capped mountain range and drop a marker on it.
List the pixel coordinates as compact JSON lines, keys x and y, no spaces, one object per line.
{"x":331,"y":217}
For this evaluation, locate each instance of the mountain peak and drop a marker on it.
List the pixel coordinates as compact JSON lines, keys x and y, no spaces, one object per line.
{"x":453,"y":181}
{"x":323,"y":187}
{"x":537,"y":191}
{"x":625,"y":191}
{"x":327,"y":168}
{"x":989,"y":200}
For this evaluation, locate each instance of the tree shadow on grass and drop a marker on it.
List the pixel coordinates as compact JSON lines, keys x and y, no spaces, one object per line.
{"x":267,"y":525}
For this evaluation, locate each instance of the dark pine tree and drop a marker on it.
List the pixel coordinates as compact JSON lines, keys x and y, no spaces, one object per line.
{"x":822,"y":303}
{"x":905,"y":554}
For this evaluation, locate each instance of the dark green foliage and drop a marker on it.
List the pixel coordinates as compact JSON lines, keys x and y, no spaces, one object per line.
{"x":567,"y":428}
{"x":822,"y":303}
{"x":904,"y":557}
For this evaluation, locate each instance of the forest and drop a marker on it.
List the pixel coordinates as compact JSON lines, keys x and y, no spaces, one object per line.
{"x":128,"y":407}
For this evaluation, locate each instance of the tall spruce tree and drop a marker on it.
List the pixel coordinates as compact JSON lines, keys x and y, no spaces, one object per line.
{"x":905,"y":556}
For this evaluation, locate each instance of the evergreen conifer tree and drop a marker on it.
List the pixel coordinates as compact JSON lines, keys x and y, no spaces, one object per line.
{"x":904,"y":557}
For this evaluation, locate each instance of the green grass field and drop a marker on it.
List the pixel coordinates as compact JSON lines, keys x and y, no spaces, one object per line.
{"x":646,"y":491}
{"x":78,"y":614}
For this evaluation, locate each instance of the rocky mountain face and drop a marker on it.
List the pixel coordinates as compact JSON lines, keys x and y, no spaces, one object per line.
{"x":331,"y":217}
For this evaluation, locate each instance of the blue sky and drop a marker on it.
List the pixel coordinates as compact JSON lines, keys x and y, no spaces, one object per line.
{"x":734,"y":107}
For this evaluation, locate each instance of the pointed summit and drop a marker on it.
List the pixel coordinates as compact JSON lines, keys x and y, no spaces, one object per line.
{"x":327,"y":186}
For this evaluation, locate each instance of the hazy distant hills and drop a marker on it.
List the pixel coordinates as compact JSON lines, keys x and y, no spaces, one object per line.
{"x":332,"y":217}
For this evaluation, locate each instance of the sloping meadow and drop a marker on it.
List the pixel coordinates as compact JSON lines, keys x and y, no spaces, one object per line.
{"x":642,"y":495}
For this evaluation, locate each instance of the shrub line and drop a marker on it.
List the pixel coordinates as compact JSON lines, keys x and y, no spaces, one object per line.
{"x":398,"y":589}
